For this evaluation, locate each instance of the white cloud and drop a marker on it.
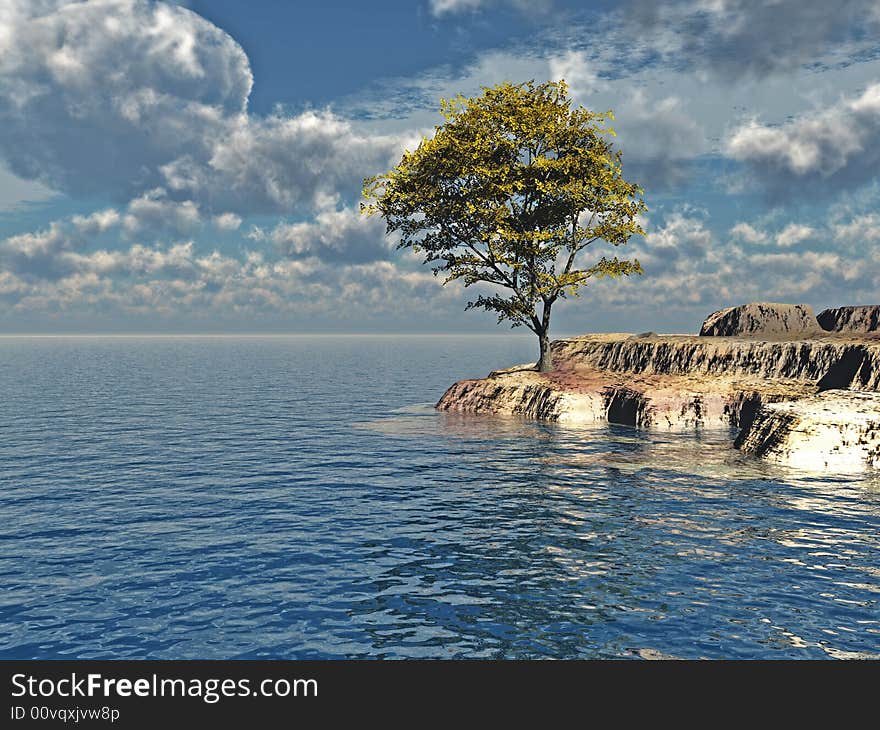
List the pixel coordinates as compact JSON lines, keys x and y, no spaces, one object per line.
{"x":444,"y":7}
{"x":121,"y":97}
{"x":177,"y":282}
{"x":687,"y":268}
{"x":793,"y":233}
{"x":154,"y":211}
{"x":147,"y":102}
{"x":745,"y":232}
{"x":840,"y":142}
{"x":684,"y":234}
{"x":440,"y":8}
{"x":339,"y":235}
{"x":313,"y":269}
{"x":94,"y":96}
{"x":97,"y":222}
{"x":578,"y":71}
{"x":227,"y":222}
{"x":861,"y":229}
{"x":753,"y":38}
{"x":283,"y":164}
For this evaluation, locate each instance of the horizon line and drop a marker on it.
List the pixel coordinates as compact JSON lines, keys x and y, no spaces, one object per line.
{"x":10,"y":335}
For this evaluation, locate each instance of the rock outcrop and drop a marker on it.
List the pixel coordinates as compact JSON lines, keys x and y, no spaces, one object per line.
{"x":836,"y":430}
{"x":684,"y":382}
{"x":851,"y":319}
{"x":761,"y":319}
{"x":848,"y":362}
{"x":673,"y":402}
{"x":800,"y":394}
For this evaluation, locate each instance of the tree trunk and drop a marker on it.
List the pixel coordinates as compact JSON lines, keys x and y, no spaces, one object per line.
{"x":542,"y":329}
{"x":545,"y":361}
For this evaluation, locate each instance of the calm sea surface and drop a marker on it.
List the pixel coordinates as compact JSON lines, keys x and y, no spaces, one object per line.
{"x":299,"y":498}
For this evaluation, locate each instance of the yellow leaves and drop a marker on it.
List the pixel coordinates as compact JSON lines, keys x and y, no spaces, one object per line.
{"x":495,"y":195}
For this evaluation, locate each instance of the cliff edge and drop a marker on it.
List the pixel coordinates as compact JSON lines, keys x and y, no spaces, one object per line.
{"x":687,"y":381}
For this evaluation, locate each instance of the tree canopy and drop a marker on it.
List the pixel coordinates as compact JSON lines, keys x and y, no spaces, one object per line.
{"x":507,"y":193}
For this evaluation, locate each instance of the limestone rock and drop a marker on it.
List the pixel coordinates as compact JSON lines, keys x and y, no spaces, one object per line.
{"x":685,"y":382}
{"x":836,"y":430}
{"x":845,"y":362}
{"x":851,"y":319}
{"x":760,"y":319}
{"x":672,"y":402}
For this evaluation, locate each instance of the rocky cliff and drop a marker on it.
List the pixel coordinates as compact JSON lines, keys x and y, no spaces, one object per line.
{"x":851,"y":319}
{"x":849,"y":362}
{"x":760,"y":319}
{"x":836,"y":430}
{"x":674,"y":381}
{"x":660,"y":401}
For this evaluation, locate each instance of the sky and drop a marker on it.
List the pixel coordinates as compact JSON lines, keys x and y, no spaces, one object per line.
{"x":196,"y":166}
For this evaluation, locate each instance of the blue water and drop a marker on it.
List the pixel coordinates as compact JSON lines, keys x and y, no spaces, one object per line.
{"x":299,"y":498}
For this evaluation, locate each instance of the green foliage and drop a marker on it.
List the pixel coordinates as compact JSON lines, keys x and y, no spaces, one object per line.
{"x":508,"y":191}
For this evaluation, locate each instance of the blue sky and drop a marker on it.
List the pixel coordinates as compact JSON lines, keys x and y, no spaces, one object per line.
{"x":195,"y":166}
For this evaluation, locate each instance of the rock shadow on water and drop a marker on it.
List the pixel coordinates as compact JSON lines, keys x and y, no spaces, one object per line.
{"x":707,"y":452}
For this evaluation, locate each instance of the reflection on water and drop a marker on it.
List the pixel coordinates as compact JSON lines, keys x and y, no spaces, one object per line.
{"x":285,"y":498}
{"x":661,"y":528}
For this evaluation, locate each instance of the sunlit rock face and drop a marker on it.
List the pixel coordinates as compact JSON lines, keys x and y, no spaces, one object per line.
{"x":759,"y":319}
{"x":836,"y":430}
{"x":683,"y":382}
{"x":851,"y":319}
{"x":849,"y":362}
{"x":675,"y":382}
{"x":647,"y":401}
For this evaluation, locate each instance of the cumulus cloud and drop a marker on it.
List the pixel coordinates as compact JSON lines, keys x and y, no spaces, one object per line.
{"x":691,"y":269}
{"x":95,"y":96}
{"x":683,"y":234}
{"x":176,"y":281}
{"x":793,"y":233}
{"x":121,"y":97}
{"x":40,"y":253}
{"x":151,"y":214}
{"x":747,"y":233}
{"x":838,"y":145}
{"x":145,"y":101}
{"x":53,"y":251}
{"x":309,"y":271}
{"x":337,"y":264}
{"x":334,"y":235}
{"x":153,"y":211}
{"x":858,"y":230}
{"x":578,"y":71}
{"x":97,"y":222}
{"x":283,"y":164}
{"x":227,"y":222}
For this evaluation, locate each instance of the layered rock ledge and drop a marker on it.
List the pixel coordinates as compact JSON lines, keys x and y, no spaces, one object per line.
{"x":836,"y":430}
{"x":865,"y":318}
{"x":761,"y":318}
{"x":681,"y":382}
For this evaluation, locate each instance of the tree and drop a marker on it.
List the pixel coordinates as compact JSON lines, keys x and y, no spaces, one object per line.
{"x":508,"y":192}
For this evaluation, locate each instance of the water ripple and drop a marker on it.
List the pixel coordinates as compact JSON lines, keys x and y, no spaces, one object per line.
{"x":296,"y":498}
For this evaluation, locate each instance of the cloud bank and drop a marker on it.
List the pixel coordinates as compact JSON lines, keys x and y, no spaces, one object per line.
{"x":838,"y":145}
{"x":120,"y":97}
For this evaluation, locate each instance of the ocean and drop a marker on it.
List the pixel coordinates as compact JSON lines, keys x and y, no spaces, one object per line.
{"x":298,"y":497}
